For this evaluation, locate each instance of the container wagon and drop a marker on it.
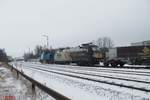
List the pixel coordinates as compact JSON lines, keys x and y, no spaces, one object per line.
{"x":136,"y":55}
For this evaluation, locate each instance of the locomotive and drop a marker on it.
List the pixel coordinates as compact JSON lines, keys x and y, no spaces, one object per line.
{"x":86,"y":54}
{"x":47,"y":56}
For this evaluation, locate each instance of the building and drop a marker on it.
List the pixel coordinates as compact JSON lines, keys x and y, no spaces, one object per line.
{"x":142,"y":43}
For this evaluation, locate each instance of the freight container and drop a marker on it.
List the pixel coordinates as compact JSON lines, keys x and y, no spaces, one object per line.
{"x":130,"y":54}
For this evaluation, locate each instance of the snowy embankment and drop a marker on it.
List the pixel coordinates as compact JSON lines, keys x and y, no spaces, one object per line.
{"x":12,"y":88}
{"x":79,"y":89}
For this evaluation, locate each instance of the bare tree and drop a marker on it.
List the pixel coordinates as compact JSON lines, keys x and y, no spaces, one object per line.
{"x":3,"y":55}
{"x":104,"y":43}
{"x":28,"y":56}
{"x":38,"y":50}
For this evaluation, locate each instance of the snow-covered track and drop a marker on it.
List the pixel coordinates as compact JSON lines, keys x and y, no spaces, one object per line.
{"x":77,"y":75}
{"x":121,"y":71}
{"x":119,"y":67}
{"x":97,"y":75}
{"x":124,"y":67}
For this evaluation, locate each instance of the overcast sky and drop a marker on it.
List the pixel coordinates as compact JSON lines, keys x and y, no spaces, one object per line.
{"x":71,"y":22}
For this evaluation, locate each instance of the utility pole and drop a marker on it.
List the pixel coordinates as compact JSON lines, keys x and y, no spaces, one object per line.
{"x":47,"y":40}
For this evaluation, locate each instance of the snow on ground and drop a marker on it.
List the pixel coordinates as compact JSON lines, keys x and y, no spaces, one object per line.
{"x":99,"y":85}
{"x":94,"y":68}
{"x":129,"y":83}
{"x":126,"y":75}
{"x":12,"y":88}
{"x":78,"y":89}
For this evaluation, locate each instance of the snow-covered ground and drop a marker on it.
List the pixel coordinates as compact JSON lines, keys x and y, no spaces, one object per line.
{"x":79,"y":89}
{"x":89,"y":74}
{"x":97,"y":68}
{"x":137,"y":74}
{"x":12,"y":88}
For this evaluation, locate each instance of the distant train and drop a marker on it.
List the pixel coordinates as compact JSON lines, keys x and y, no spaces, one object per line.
{"x":89,"y":55}
{"x":86,"y":54}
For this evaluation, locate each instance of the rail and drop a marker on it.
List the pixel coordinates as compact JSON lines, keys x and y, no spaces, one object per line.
{"x":95,"y":80}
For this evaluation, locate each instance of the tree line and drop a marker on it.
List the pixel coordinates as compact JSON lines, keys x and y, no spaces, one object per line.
{"x":36,"y":53}
{"x":3,"y":55}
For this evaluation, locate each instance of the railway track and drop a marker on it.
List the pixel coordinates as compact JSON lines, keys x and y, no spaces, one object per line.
{"x":124,"y":67}
{"x":120,"y":71}
{"x":117,"y":67}
{"x":98,"y":75}
{"x":129,"y":72}
{"x":104,"y":67}
{"x":86,"y":77}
